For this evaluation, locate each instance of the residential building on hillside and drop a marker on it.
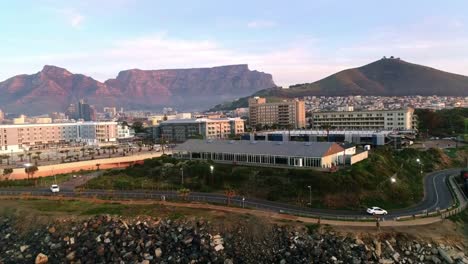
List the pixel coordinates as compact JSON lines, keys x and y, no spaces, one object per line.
{"x":287,"y":113}
{"x":179,"y":130}
{"x":402,"y":119}
{"x":322,"y":155}
{"x":22,"y":137}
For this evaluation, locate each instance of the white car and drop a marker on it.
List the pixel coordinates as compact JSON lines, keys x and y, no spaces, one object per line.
{"x":54,"y":188}
{"x":376,"y":211}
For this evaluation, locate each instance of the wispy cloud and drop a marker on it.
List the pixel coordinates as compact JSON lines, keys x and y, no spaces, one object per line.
{"x":261,"y":24}
{"x":72,"y":17}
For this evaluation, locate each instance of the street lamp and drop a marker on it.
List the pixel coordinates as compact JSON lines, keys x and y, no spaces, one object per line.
{"x":392,"y":179}
{"x":310,"y":194}
{"x":211,"y":169}
{"x":420,"y":164}
{"x":182,"y":175}
{"x":243,"y":202}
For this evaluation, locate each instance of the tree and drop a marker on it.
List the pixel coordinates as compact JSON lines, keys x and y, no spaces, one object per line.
{"x":21,"y":156}
{"x":83,"y":152}
{"x":97,"y":166}
{"x":138,"y":127}
{"x":184,"y":193}
{"x":35,"y":158}
{"x":38,"y":153}
{"x":7,"y":172}
{"x":31,"y":170}
{"x":29,"y":156}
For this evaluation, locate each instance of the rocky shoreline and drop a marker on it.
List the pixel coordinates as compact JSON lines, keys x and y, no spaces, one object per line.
{"x":106,"y":239}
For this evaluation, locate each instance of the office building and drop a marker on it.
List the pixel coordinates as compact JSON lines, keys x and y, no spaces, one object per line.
{"x":365,"y":120}
{"x":287,"y":113}
{"x":322,"y":155}
{"x":179,"y":130}
{"x":22,"y":137}
{"x":86,"y":112}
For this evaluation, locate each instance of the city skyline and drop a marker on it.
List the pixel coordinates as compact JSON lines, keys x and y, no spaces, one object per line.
{"x":304,"y":44}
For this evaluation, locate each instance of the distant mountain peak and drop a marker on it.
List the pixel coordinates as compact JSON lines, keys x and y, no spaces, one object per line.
{"x":54,"y":70}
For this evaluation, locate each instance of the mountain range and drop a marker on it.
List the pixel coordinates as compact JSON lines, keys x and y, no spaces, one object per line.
{"x":385,"y":77}
{"x":54,"y":88}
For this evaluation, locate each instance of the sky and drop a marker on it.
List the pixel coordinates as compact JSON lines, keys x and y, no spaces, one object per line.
{"x":295,"y":41}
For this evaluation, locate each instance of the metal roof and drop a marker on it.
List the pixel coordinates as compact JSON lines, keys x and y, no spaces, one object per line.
{"x":290,"y":148}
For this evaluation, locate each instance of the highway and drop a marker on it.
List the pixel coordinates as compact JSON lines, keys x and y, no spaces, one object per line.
{"x":437,"y":196}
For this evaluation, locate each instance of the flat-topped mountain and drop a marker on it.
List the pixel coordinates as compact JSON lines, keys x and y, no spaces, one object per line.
{"x":54,"y":88}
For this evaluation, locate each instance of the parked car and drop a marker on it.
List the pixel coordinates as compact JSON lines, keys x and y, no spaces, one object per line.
{"x":54,"y":188}
{"x":376,"y":211}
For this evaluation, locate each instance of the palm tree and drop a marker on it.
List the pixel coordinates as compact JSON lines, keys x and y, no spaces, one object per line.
{"x":38,"y":153}
{"x":21,"y":156}
{"x":31,"y":170}
{"x":97,"y":166}
{"x":29,"y":156}
{"x":35,"y":158}
{"x":83,"y":153}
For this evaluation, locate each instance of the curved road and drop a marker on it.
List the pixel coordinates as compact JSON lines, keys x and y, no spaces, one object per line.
{"x":436,"y":196}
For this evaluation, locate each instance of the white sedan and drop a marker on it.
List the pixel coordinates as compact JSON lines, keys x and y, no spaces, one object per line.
{"x":376,"y":211}
{"x":54,"y":188}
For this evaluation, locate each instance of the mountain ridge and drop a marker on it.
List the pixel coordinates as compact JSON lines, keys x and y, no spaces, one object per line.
{"x":54,"y":88}
{"x":384,"y":77}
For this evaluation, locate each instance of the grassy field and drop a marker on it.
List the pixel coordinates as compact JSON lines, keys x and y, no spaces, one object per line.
{"x":364,"y":184}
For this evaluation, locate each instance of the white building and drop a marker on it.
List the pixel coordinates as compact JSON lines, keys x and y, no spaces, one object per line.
{"x":23,"y":137}
{"x":125,"y":132}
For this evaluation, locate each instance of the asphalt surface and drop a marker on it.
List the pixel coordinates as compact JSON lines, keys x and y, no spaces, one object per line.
{"x":437,"y":196}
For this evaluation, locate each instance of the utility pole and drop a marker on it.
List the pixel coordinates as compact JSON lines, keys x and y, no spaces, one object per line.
{"x":310,"y":195}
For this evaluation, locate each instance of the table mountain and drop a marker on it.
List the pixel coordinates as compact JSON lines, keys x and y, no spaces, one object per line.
{"x":385,"y":77}
{"x":54,"y":88}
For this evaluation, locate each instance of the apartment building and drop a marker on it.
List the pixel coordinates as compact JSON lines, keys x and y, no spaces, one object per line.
{"x":22,"y":137}
{"x":287,"y":113}
{"x":180,"y":130}
{"x":403,"y":119}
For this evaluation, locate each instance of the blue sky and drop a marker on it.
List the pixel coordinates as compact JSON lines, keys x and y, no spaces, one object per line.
{"x":296,"y":41}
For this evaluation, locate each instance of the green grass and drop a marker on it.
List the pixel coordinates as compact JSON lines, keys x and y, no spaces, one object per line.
{"x":40,"y":181}
{"x":364,"y":184}
{"x":312,"y":228}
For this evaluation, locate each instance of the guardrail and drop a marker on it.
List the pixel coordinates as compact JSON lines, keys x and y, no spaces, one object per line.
{"x":238,"y":202}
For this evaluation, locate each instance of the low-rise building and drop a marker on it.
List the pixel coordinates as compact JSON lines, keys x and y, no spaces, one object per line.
{"x":179,"y":130}
{"x":365,"y":120}
{"x":321,"y":155}
{"x":22,"y":137}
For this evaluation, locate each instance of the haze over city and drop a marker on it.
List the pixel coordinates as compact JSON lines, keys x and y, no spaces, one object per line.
{"x":296,"y":41}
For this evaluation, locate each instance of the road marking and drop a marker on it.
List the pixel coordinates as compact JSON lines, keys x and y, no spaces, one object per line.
{"x":435,"y":189}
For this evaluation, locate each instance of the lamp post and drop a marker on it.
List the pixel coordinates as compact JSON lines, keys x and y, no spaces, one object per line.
{"x":243,"y":202}
{"x":310,"y":194}
{"x":182,"y":175}
{"x":420,"y":165}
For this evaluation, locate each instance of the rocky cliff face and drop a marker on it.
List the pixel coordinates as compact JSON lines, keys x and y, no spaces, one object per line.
{"x":53,"y":88}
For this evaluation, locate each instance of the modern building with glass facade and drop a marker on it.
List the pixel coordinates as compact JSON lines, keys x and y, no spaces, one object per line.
{"x":321,"y":155}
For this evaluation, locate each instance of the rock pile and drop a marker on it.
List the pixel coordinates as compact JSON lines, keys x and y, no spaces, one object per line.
{"x":104,"y":239}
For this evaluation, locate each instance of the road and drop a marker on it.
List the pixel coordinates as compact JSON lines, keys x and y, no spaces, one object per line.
{"x":437,"y":196}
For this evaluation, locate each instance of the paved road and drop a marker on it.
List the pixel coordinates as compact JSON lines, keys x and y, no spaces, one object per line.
{"x":437,"y":196}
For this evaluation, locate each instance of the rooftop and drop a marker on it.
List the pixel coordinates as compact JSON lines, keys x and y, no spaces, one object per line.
{"x":300,"y":149}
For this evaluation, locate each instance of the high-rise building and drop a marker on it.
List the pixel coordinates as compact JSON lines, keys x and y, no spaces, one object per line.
{"x":71,"y":112}
{"x":287,"y":113}
{"x":86,"y":111}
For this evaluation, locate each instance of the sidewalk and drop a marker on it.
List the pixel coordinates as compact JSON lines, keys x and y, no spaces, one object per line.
{"x":106,"y":163}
